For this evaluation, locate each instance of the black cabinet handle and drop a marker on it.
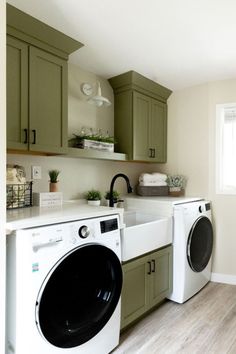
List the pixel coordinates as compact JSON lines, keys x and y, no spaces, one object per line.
{"x":26,"y":136}
{"x":150,"y":268}
{"x":34,"y":136}
{"x":153,"y":266}
{"x":152,"y":152}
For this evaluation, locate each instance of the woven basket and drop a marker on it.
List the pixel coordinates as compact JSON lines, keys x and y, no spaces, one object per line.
{"x":146,"y":191}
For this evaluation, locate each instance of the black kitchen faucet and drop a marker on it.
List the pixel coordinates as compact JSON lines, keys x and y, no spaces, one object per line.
{"x":129,"y":188}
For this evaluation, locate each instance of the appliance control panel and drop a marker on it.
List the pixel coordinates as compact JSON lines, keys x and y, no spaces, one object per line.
{"x":204,"y":207}
{"x":94,"y":228}
{"x":109,"y":225}
{"x":63,"y":235}
{"x":84,"y":231}
{"x":47,"y":236}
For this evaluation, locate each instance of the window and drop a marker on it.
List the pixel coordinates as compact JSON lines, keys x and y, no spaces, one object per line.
{"x":226,"y":148}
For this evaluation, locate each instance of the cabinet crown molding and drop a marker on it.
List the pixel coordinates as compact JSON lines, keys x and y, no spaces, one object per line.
{"x":132,"y":80}
{"x":39,"y":34}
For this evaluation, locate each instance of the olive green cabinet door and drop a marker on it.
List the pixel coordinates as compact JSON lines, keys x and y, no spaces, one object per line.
{"x":161,"y":284}
{"x":149,"y":129}
{"x":47,"y":102}
{"x":17,"y":94}
{"x":134,"y":298}
{"x":146,"y":282}
{"x":158,"y":131}
{"x":141,"y":121}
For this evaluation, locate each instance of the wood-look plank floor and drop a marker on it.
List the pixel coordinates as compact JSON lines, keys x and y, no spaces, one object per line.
{"x":204,"y":324}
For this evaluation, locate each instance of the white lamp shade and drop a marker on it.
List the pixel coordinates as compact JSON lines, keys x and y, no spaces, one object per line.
{"x":98,"y":100}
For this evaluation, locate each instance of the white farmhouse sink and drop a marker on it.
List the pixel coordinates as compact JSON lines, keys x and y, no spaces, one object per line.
{"x":143,"y":233}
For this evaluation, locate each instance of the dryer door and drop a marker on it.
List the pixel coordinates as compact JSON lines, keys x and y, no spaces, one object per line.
{"x":200,"y":244}
{"x":79,"y":296}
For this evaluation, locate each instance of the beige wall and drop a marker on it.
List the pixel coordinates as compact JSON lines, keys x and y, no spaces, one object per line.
{"x":224,"y":205}
{"x":2,"y":170}
{"x":191,"y":151}
{"x":79,"y":175}
{"x":80,"y":112}
{"x":188,"y":151}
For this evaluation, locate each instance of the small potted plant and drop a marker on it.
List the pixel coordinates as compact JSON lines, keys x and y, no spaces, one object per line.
{"x":176,"y":184}
{"x":115,"y":196}
{"x":93,"y":197}
{"x":53,"y":175}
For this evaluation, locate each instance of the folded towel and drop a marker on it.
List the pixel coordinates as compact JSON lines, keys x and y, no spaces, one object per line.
{"x":153,"y":184}
{"x":152,"y":177}
{"x":160,"y":176}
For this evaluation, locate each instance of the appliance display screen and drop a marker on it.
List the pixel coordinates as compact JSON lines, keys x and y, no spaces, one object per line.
{"x":108,"y":225}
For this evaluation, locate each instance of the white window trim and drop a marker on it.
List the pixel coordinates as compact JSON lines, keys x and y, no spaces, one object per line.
{"x":220,"y":189}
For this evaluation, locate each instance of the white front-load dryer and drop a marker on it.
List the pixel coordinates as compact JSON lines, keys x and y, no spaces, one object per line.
{"x":64,"y":287}
{"x":192,"y":249}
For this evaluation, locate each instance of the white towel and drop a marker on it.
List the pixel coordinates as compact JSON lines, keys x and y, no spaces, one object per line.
{"x":153,"y":184}
{"x":152,"y":177}
{"x":160,"y":176}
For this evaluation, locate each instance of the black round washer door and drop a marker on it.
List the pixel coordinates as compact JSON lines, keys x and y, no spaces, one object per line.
{"x":80,"y":295}
{"x":200,"y":244}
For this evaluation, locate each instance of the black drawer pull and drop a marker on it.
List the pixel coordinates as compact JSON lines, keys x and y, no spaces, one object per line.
{"x":153,"y":266}
{"x":150,"y":268}
{"x":150,"y":152}
{"x":26,"y":136}
{"x":34,"y":136}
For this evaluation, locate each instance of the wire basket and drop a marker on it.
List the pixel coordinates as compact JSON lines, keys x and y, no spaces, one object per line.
{"x":19,"y":195}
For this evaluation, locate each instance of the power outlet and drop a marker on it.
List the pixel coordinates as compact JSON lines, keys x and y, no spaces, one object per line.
{"x":36,"y":172}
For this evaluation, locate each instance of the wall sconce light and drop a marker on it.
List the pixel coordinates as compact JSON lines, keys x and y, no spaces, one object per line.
{"x":98,"y":100}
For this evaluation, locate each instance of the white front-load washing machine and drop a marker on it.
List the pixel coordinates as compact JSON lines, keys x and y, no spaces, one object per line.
{"x":64,"y":287}
{"x":192,"y":239}
{"x":192,"y":249}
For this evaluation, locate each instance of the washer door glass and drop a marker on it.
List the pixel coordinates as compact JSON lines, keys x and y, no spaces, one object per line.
{"x":200,"y":243}
{"x":79,"y":296}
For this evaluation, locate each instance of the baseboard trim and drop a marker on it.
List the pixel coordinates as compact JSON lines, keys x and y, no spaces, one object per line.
{"x":223,"y":278}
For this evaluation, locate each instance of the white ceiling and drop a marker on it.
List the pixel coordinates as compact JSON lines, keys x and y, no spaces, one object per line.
{"x":176,"y":43}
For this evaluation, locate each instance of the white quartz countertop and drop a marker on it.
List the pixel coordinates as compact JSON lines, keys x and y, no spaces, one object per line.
{"x":70,"y":211}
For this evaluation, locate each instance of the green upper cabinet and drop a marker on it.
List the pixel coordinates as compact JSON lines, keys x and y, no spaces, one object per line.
{"x":48,"y":115}
{"x":37,"y":84}
{"x":140,"y":117}
{"x":17,"y":94}
{"x":141,"y":122}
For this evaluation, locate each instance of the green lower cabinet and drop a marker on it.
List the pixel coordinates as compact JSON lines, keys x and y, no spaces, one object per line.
{"x":146,"y":282}
{"x":162,"y":275}
{"x":134,"y":298}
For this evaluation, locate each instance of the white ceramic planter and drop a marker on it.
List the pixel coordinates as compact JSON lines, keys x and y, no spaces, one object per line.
{"x":94,"y":202}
